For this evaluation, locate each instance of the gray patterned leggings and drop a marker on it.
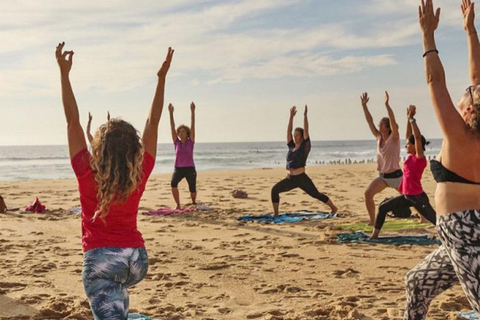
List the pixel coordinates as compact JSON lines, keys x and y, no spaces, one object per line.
{"x":107,"y":273}
{"x":456,"y":260}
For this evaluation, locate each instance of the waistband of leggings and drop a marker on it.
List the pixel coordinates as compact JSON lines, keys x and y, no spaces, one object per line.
{"x":465,"y":215}
{"x":290,"y":176}
{"x":391,"y":175}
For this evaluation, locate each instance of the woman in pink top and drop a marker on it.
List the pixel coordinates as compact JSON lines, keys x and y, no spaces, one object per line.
{"x":411,"y":185}
{"x":184,"y":140}
{"x":388,"y":154}
{"x":111,"y":181}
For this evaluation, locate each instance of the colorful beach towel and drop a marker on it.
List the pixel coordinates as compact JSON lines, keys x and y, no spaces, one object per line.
{"x":289,"y":217}
{"x":470,"y":315}
{"x":167,"y":211}
{"x":360,"y":236}
{"x":390,"y":225}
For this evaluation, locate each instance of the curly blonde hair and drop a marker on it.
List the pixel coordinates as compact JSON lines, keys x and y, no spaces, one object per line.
{"x":117,"y":157}
{"x":474,"y":120}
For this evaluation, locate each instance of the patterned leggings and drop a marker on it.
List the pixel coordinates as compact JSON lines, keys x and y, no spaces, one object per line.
{"x":107,"y":273}
{"x":456,"y":260}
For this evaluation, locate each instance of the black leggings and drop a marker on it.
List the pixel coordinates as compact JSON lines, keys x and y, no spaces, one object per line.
{"x":185,"y":172}
{"x":301,"y":181}
{"x":419,"y":202}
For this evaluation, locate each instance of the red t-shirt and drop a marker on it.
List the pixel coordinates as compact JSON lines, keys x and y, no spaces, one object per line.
{"x":411,"y":183}
{"x":120,"y":230}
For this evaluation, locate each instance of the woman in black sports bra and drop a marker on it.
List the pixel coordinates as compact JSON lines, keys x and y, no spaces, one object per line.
{"x":457,"y":197}
{"x":298,"y":150}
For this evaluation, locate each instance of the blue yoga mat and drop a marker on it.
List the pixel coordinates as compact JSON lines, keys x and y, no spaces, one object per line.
{"x":471,"y":315}
{"x":360,"y":236}
{"x":289,"y":217}
{"x":138,"y":316}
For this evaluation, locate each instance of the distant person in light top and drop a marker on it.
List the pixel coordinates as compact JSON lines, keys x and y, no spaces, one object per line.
{"x":411,"y":184}
{"x":183,"y":139}
{"x":111,"y":181}
{"x":388,"y":154}
{"x":89,"y":124}
{"x":298,"y":150}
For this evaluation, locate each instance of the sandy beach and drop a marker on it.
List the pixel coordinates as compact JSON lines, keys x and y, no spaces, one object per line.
{"x":207,"y":265}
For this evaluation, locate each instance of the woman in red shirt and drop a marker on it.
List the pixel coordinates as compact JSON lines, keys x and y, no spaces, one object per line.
{"x":111,"y":181}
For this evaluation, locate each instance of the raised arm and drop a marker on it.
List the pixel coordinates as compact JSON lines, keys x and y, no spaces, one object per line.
{"x":293,"y":111}
{"x":108,"y":115}
{"x":89,"y":135}
{"x":391,"y":116}
{"x":364,"y":98}
{"x":306,"y":133}
{"x":411,"y":108}
{"x":416,"y":133}
{"x":150,"y":133}
{"x":468,"y":10}
{"x":76,"y":137}
{"x":192,"y":122}
{"x":172,"y":123}
{"x":450,"y":120}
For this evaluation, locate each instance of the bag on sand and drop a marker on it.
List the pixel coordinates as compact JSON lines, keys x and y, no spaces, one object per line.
{"x":238,"y":193}
{"x":398,"y":212}
{"x":3,"y":206}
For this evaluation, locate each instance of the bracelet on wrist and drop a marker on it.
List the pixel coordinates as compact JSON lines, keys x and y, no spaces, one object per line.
{"x":430,"y":51}
{"x":412,"y":120}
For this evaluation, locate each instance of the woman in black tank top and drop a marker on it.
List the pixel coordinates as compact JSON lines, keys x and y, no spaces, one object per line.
{"x":457,"y":201}
{"x":298,"y":150}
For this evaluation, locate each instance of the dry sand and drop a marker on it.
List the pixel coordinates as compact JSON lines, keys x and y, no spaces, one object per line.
{"x":207,"y":265}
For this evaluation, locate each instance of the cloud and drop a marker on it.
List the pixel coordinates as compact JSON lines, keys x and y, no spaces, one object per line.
{"x":119,"y":45}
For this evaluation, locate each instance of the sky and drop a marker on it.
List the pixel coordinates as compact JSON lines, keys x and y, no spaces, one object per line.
{"x":244,"y":63}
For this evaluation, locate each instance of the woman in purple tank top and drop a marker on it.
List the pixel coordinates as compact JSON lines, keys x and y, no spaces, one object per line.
{"x":388,"y":154}
{"x":183,"y":139}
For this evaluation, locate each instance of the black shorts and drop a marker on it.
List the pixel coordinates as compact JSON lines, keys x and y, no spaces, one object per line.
{"x":185,"y":172}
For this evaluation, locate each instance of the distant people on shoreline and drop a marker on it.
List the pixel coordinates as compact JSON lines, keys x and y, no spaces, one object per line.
{"x":183,"y":139}
{"x":388,"y":154}
{"x":298,"y":150}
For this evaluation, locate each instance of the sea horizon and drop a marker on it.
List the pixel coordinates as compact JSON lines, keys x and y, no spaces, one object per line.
{"x":19,"y":163}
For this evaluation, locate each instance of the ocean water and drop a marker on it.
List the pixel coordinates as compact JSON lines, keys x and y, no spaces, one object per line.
{"x":52,"y":162}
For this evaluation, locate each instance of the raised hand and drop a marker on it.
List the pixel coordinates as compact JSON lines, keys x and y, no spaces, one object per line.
{"x":306,"y":111}
{"x":166,"y":64}
{"x":427,"y":19}
{"x":293,"y":111}
{"x":411,"y":111}
{"x":387,"y":97}
{"x":468,"y":12}
{"x":64,"y":63}
{"x":89,"y":118}
{"x":364,"y":98}
{"x":170,"y":108}
{"x":192,"y":106}
{"x":108,"y":115}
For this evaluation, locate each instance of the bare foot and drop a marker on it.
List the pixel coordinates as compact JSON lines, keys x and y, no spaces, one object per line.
{"x":375,"y":234}
{"x":371,"y":223}
{"x":178,"y":207}
{"x":423,"y":220}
